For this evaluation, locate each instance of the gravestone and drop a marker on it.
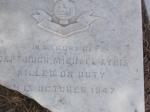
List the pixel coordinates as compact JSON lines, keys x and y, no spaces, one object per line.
{"x":74,"y":55}
{"x":147,"y":4}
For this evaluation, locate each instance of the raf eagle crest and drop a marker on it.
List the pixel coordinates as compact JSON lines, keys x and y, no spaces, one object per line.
{"x":65,"y":18}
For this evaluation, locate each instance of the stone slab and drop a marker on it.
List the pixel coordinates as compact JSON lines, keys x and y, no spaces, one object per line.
{"x":74,"y":55}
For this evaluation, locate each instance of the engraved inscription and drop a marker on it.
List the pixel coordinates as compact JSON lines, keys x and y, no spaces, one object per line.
{"x":73,"y":55}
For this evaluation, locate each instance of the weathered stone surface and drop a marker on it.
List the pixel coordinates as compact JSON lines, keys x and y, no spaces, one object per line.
{"x":74,"y":55}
